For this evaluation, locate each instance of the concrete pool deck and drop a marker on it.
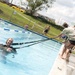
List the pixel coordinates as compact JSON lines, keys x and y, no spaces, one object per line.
{"x":62,"y":67}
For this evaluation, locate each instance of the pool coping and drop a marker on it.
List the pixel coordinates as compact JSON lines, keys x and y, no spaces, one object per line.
{"x":62,"y":67}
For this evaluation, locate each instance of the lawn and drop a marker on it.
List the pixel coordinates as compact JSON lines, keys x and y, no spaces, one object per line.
{"x":22,"y":19}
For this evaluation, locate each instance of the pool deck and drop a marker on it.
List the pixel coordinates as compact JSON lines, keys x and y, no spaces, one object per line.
{"x":62,"y":67}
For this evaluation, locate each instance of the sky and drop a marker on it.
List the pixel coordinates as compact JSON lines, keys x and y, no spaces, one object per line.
{"x":62,"y":11}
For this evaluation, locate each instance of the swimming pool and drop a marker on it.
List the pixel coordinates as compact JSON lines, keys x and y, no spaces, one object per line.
{"x":37,"y":59}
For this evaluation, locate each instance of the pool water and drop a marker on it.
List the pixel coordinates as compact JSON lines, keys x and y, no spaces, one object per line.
{"x":37,"y":59}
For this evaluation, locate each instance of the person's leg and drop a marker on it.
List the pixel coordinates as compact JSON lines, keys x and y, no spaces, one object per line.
{"x":67,"y":55}
{"x":68,"y":52}
{"x":63,"y":51}
{"x":66,"y":46}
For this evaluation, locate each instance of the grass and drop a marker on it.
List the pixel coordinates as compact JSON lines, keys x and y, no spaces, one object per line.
{"x":22,"y":19}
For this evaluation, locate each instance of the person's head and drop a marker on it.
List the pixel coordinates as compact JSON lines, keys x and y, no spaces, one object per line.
{"x":65,"y":25}
{"x":9,"y":41}
{"x":26,"y":26}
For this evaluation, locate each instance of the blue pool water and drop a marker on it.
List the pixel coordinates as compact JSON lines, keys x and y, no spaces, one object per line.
{"x":36,"y":59}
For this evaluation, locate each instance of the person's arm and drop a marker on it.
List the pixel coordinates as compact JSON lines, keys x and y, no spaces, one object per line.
{"x":3,"y":47}
{"x":14,"y":52}
{"x":58,"y":36}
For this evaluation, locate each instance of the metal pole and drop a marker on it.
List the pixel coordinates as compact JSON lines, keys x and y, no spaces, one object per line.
{"x":14,"y":12}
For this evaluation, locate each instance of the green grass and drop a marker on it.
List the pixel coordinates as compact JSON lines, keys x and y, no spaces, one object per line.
{"x":35,"y":25}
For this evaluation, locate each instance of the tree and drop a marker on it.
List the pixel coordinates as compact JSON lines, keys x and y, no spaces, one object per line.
{"x":34,"y":5}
